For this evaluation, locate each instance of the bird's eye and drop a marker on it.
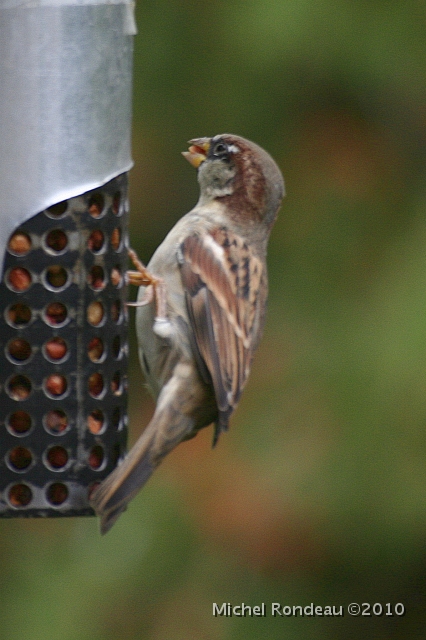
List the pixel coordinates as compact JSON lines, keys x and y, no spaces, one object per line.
{"x":220,"y":150}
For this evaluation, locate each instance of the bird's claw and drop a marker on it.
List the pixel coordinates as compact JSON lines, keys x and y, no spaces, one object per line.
{"x":155,"y":288}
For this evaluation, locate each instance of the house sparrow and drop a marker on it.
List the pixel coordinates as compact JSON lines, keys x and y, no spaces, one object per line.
{"x":201,"y":308}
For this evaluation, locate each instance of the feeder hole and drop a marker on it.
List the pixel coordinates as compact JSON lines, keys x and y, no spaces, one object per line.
{"x":20,"y":458}
{"x":19,"y":279}
{"x":95,"y":349}
{"x":19,"y":387}
{"x":55,"y":349}
{"x":56,"y":240}
{"x":19,"y":350}
{"x":96,"y":457}
{"x":96,"y":241}
{"x":95,"y":313}
{"x":19,"y":244}
{"x":96,"y":204}
{"x":56,"y":314}
{"x":20,"y":495}
{"x":57,"y":493}
{"x":96,"y":385}
{"x":57,"y":457}
{"x":19,"y":314}
{"x":55,"y":421}
{"x":96,"y":421}
{"x":19,"y":423}
{"x":55,"y":385}
{"x":57,"y":210}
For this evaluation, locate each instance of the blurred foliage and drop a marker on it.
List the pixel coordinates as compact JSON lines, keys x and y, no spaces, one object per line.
{"x":318,"y":492}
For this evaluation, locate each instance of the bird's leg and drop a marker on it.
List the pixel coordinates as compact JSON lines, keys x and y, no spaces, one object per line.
{"x":141,"y":278}
{"x":155,"y":291}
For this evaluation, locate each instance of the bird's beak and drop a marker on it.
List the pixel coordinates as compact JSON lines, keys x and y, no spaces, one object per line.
{"x":197,"y":152}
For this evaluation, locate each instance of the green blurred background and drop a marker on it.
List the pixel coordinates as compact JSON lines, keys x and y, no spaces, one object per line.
{"x":318,"y":492}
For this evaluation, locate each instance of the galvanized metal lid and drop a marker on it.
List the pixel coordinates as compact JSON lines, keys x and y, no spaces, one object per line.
{"x":65,"y":102}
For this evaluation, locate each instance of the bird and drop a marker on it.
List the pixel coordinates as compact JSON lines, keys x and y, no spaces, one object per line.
{"x":200,"y":308}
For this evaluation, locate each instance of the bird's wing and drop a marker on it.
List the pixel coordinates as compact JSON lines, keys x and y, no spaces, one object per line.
{"x":226,"y":287}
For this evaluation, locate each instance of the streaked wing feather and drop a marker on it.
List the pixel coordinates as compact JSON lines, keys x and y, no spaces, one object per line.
{"x":223,"y":280}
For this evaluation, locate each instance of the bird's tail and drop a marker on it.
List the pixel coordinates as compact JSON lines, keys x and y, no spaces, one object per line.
{"x":172,"y":422}
{"x":110,"y":499}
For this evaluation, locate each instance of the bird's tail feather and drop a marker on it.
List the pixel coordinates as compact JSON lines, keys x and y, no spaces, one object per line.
{"x":172,"y":422}
{"x":111,"y":497}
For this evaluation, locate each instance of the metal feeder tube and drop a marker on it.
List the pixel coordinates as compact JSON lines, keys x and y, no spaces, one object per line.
{"x":65,"y":114}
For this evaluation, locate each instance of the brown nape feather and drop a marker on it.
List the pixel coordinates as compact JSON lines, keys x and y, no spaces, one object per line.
{"x":258,"y":184}
{"x":248,"y":198}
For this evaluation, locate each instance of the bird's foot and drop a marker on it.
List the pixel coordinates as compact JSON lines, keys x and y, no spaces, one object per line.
{"x":141,"y":277}
{"x":155,"y":289}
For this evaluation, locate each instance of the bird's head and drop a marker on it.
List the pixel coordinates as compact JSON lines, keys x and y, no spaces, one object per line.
{"x":239,"y":173}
